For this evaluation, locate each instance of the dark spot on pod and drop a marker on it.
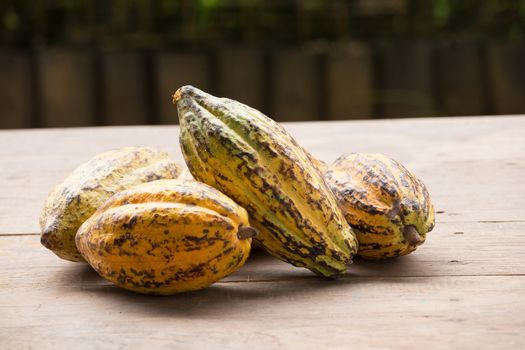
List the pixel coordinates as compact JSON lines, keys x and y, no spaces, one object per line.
{"x":190,"y":249}
{"x":135,"y":272}
{"x":227,"y":251}
{"x":129,"y":225}
{"x":120,"y":241}
{"x":373,"y":245}
{"x":197,"y":269}
{"x":404,"y":181}
{"x":195,"y":238}
{"x":152,"y":177}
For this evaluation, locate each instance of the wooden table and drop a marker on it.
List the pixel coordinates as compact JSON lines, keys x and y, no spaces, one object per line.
{"x":463,"y":289}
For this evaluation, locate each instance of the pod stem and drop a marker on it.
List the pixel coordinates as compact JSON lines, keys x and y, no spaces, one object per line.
{"x":411,"y":235}
{"x":246,"y":232}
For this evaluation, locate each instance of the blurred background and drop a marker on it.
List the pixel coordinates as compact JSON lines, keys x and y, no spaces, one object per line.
{"x":78,"y":62}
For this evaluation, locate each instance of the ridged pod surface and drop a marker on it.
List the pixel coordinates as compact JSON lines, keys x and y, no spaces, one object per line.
{"x":76,"y":198}
{"x":254,"y":160}
{"x":166,"y":237}
{"x":388,"y":206}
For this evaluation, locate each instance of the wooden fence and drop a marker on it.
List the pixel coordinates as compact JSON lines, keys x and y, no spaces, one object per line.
{"x":62,"y":87}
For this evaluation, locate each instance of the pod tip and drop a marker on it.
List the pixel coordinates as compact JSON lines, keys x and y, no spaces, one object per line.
{"x":177,"y":96}
{"x":412,"y":236}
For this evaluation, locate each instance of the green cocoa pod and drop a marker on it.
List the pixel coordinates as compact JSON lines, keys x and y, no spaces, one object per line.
{"x":256,"y":162}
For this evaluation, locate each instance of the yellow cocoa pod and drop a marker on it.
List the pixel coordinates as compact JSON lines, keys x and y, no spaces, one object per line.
{"x":388,"y":207}
{"x":76,"y":198}
{"x":166,"y":237}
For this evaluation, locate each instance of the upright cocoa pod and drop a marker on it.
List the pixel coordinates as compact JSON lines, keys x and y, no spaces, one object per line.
{"x":254,"y":160}
{"x":388,"y":206}
{"x":76,"y":198}
{"x":166,"y":237}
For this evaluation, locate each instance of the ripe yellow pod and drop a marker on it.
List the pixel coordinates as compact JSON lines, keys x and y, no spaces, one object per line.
{"x":76,"y":198}
{"x":166,"y":237}
{"x":388,"y":207}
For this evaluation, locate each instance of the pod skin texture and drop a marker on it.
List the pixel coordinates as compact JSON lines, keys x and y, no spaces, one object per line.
{"x":388,"y":206}
{"x":166,"y":237}
{"x":254,"y":161}
{"x":76,"y":198}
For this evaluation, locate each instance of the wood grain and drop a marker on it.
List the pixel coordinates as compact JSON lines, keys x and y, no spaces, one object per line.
{"x":49,"y":303}
{"x":464,"y":288}
{"x":382,"y":313}
{"x":452,"y":249}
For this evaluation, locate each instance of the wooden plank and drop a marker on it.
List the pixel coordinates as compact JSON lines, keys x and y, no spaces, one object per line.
{"x":460,"y":79}
{"x":350,"y":81}
{"x":15,"y":97}
{"x":67,"y":308}
{"x":455,"y":195}
{"x":507,"y":76}
{"x":405,"y":80}
{"x":452,"y":249}
{"x":461,"y":289}
{"x":175,"y":70}
{"x":241,"y":75}
{"x":295,"y":95}
{"x":455,"y":157}
{"x":67,"y":88}
{"x":125,"y":82}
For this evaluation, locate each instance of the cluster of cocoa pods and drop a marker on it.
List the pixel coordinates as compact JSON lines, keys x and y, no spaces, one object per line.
{"x":147,"y":225}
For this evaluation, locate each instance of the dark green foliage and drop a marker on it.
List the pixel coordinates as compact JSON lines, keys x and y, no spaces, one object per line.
{"x":183,"y":23}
